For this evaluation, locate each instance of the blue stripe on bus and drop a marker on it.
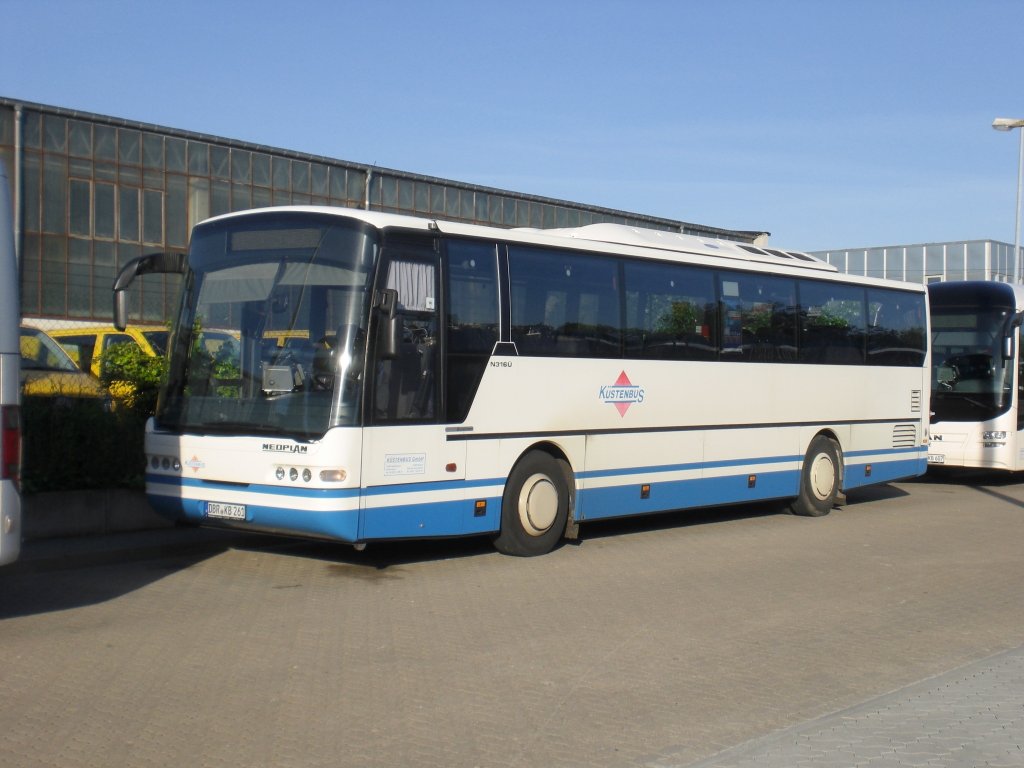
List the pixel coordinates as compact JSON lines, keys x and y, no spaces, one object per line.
{"x":623,"y":500}
{"x":658,"y":468}
{"x":458,"y":517}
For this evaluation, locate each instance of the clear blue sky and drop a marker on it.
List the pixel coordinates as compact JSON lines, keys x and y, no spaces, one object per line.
{"x":830,"y":124}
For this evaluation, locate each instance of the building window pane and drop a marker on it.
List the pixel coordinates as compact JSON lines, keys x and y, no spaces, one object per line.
{"x":261,"y":170}
{"x":955,"y":253}
{"x":300,"y":176}
{"x":198,"y":201}
{"x":241,"y":164}
{"x":220,"y":163}
{"x":451,"y":203}
{"x":356,"y":185}
{"x":55,"y":133}
{"x":128,"y":214}
{"x":894,"y":263}
{"x":104,"y":142}
{"x":915,"y":264}
{"x":54,"y":275}
{"x":976,"y":266}
{"x":240,"y":199}
{"x":422,"y":197}
{"x":80,"y":278}
{"x":339,"y":190}
{"x":103,"y":210}
{"x":935,"y":260}
{"x":80,"y":207}
{"x":152,"y":216}
{"x":876,"y":262}
{"x":80,"y":135}
{"x":198,"y":158}
{"x":389,"y":192}
{"x":220,"y":198}
{"x":318,"y":180}
{"x":152,"y":151}
{"x":55,"y":174}
{"x":261,"y":197}
{"x":405,"y":194}
{"x":175,"y":149}
{"x":177,"y":215}
{"x":129,"y":147}
{"x":282,"y":173}
{"x":102,"y":276}
{"x":32,"y":130}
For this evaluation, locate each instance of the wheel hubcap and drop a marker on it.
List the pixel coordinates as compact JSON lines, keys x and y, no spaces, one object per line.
{"x":538,"y":504}
{"x":823,"y":476}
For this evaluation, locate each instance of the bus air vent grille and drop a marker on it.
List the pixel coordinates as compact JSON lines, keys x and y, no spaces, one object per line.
{"x":904,"y":436}
{"x":915,"y":401}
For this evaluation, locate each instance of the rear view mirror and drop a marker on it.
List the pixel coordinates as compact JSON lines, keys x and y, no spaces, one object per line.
{"x":163,"y":263}
{"x":389,"y":324}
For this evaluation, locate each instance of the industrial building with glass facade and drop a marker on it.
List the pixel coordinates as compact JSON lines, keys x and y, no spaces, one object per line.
{"x":927,"y":263}
{"x":92,"y":192}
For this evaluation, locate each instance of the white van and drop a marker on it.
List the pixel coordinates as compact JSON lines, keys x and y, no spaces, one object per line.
{"x":10,"y":390}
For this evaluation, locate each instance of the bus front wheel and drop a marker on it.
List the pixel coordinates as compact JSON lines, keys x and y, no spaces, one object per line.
{"x":820,"y":479}
{"x":534,"y":507}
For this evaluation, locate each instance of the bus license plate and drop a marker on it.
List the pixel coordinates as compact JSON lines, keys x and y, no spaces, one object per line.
{"x":227,"y":511}
{"x":936,"y":458}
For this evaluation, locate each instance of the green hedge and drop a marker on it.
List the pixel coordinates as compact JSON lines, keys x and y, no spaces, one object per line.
{"x":70,"y":443}
{"x":73,"y":443}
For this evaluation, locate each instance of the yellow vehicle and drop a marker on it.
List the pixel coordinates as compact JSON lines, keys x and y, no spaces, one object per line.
{"x":47,"y":370}
{"x":86,"y":345}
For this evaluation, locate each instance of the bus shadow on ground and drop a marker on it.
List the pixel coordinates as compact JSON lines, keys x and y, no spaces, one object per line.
{"x":378,"y":557}
{"x":27,"y":590}
{"x":373,"y":562}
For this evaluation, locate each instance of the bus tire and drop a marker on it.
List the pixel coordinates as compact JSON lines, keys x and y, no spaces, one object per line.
{"x":820,"y":479}
{"x":534,"y":507}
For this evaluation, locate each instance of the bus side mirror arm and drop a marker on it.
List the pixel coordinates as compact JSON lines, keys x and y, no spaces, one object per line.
{"x":163,"y":263}
{"x":389,"y":328}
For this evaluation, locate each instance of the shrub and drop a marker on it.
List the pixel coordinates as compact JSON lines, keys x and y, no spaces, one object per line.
{"x":74,"y":443}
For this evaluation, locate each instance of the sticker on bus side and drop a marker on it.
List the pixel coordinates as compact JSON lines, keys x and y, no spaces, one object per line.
{"x":404,"y":464}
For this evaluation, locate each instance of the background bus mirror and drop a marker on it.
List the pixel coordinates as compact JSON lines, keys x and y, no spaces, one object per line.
{"x":162,"y":263}
{"x":1008,"y":347}
{"x":389,"y":328}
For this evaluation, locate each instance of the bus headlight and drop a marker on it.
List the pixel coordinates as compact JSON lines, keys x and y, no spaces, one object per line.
{"x":333,"y":475}
{"x":993,"y":435}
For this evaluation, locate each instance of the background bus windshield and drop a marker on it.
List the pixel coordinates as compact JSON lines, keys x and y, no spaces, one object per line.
{"x":288,"y":297}
{"x":970,"y":379}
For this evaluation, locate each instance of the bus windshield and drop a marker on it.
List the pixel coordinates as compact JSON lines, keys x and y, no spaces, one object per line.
{"x":970,"y":379}
{"x":271,"y":335}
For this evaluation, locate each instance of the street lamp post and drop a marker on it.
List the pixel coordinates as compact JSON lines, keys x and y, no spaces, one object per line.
{"x":1008,"y":124}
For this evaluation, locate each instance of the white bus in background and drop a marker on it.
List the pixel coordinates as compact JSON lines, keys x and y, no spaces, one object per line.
{"x":397,"y":377}
{"x":976,"y":375}
{"x":10,"y":386}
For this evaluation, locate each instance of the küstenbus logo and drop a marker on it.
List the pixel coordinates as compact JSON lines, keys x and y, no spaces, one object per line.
{"x":622,"y":394}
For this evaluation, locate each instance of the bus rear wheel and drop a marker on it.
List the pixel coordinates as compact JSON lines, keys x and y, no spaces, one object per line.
{"x":534,"y":507}
{"x":820,"y":479}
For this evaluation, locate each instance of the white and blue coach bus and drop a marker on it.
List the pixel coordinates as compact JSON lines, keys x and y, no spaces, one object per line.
{"x":10,"y":385}
{"x":395,"y":377}
{"x":977,"y":419}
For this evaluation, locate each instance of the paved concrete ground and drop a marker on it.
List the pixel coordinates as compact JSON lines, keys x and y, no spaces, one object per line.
{"x":972,"y":716}
{"x":654,"y":643}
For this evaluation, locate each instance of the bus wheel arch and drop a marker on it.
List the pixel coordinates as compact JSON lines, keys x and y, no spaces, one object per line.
{"x":821,"y":477}
{"x":537,"y":503}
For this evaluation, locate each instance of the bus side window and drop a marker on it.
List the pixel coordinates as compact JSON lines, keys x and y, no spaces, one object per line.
{"x":471,"y":321}
{"x":406,"y":386}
